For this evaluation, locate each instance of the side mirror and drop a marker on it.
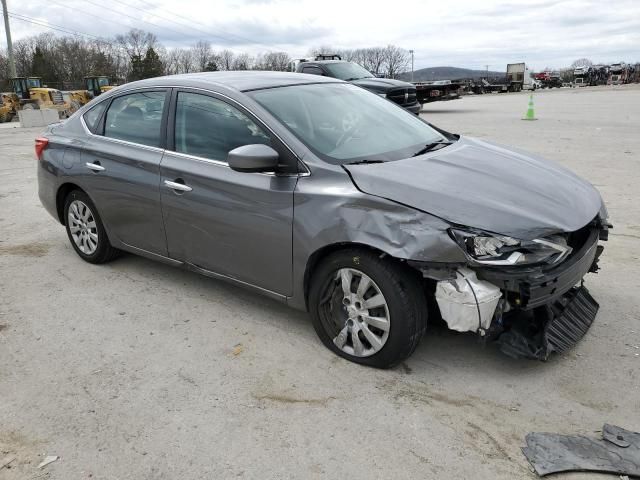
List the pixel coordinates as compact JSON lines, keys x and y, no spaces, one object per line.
{"x":253,"y":158}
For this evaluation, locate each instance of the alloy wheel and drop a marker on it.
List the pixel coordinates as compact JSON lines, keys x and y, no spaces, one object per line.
{"x":83,"y":228}
{"x":359,"y":320}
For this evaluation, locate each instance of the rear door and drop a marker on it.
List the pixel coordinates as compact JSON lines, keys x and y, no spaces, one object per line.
{"x":231,"y":223}
{"x":121,"y":164}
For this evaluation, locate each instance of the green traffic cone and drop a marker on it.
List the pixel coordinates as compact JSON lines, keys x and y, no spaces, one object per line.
{"x":530,"y":115}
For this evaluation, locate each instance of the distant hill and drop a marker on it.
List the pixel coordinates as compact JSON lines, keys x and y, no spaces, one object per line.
{"x":447,"y":73}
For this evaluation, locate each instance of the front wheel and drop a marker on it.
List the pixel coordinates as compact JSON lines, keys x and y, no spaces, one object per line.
{"x":367,"y":309}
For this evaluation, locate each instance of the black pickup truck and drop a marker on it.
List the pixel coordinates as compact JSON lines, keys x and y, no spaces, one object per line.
{"x":402,"y":93}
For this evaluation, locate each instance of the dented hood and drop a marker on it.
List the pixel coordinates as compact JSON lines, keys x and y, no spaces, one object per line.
{"x":485,"y":186}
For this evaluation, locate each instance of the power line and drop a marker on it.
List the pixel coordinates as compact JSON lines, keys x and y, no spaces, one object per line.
{"x":70,"y":31}
{"x":191,"y":21}
{"x":91,"y":14}
{"x":59,"y":28}
{"x":167,"y":19}
{"x":138,"y":19}
{"x":51,"y":26}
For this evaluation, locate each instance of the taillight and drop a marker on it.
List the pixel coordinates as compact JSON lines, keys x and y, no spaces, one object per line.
{"x":41,"y":144}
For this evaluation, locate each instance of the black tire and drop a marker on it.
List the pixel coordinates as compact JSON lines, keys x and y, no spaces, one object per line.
{"x":402,"y":289}
{"x":104,"y":252}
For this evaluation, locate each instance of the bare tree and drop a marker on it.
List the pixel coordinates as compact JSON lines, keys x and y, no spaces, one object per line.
{"x":171,"y":60}
{"x":186,"y":62}
{"x":136,"y":42}
{"x":276,"y":61}
{"x":374,"y":59}
{"x":226,"y":58}
{"x":582,"y":62}
{"x":322,"y":50}
{"x":241,"y":62}
{"x":350,"y":55}
{"x":201,"y":52}
{"x":396,"y":60}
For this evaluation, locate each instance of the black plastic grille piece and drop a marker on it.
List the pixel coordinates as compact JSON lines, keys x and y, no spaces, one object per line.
{"x":570,"y":324}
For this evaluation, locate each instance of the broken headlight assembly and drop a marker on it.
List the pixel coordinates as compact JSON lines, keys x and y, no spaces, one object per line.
{"x":483,"y":248}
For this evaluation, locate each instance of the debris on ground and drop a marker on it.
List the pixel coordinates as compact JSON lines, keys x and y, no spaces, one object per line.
{"x":47,"y":460}
{"x":6,"y":461}
{"x":618,"y":451}
{"x":237,"y":350}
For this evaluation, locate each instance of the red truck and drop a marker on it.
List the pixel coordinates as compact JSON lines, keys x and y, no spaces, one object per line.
{"x":549,"y":79}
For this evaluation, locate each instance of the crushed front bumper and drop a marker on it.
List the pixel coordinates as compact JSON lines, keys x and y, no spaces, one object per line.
{"x":556,"y":327}
{"x":550,"y":310}
{"x":534,"y":287}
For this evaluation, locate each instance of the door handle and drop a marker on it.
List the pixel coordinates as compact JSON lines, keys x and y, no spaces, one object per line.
{"x":181,"y":187}
{"x":96,"y":167}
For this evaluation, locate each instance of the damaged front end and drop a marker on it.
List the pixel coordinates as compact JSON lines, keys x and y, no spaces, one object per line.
{"x":526,"y":295}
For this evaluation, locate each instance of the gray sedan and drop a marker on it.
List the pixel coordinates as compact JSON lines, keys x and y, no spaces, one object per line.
{"x":333,"y":200}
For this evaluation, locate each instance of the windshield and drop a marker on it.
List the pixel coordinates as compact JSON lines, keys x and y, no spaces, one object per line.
{"x":103,"y":81}
{"x":343,"y":123}
{"x":347,"y":71}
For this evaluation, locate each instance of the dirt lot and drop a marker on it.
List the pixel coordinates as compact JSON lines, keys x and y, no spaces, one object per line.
{"x":136,"y":370}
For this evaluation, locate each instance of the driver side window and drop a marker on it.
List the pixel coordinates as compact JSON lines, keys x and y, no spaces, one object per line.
{"x":209,"y":128}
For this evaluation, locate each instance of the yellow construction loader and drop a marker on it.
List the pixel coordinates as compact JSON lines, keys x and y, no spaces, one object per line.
{"x":98,"y":84}
{"x":28,"y":93}
{"x":6,"y":108}
{"x":95,"y":86}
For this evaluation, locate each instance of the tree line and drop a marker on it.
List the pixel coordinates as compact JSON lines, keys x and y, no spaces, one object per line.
{"x":63,"y":61}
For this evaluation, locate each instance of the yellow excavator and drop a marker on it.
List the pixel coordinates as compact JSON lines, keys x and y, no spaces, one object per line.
{"x":28,"y":93}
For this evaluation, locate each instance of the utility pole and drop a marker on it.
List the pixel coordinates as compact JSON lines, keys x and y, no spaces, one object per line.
{"x":410,"y":51}
{"x":12,"y":63}
{"x":487,"y":67}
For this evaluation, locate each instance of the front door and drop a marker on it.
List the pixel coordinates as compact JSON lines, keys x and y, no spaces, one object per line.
{"x":121,"y":166}
{"x":231,"y":223}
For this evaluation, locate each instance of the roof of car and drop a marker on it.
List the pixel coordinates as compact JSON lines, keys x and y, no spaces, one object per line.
{"x":238,"y":80}
{"x":327,"y":61}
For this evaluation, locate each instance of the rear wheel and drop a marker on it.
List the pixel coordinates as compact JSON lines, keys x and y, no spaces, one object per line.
{"x":367,"y":309}
{"x":85,"y":229}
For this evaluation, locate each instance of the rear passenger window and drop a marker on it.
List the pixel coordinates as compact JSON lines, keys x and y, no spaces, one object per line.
{"x":209,"y":128}
{"x":136,"y":118}
{"x":93,"y":115}
{"x":312,"y":70}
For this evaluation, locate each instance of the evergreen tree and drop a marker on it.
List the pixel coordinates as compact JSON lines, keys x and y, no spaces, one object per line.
{"x":39,"y":64}
{"x":211,"y":67}
{"x":137,"y":68}
{"x":152,"y":65}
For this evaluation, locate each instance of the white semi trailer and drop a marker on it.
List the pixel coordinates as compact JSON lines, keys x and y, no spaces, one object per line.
{"x":519,"y":77}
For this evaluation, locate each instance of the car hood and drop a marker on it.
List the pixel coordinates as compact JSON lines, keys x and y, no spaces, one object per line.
{"x":486,"y":186}
{"x":381,"y":85}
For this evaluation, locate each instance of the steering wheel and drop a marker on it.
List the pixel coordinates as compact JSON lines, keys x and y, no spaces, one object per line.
{"x":350,"y":126}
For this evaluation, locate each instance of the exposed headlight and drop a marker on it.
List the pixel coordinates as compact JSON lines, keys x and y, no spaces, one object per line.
{"x":491,"y":249}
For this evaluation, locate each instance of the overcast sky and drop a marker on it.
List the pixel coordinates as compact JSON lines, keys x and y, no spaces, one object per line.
{"x":462,"y":33}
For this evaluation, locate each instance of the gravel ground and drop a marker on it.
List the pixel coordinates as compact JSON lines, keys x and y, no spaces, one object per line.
{"x":136,"y":370}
